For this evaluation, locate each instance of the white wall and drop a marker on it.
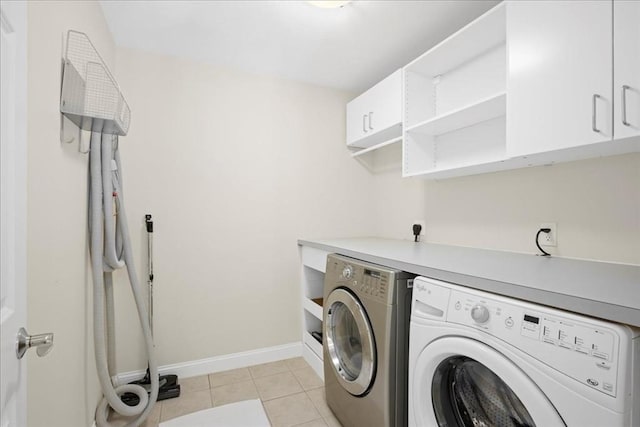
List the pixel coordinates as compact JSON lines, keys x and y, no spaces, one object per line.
{"x":596,"y":204}
{"x":396,"y":202}
{"x":62,"y":387}
{"x":235,"y":168}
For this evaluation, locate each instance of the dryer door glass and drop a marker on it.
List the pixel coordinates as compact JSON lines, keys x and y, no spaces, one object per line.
{"x":350,"y":342}
{"x":466,"y":393}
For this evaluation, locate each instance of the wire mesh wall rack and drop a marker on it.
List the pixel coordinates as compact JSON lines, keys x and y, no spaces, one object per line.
{"x":90,"y":96}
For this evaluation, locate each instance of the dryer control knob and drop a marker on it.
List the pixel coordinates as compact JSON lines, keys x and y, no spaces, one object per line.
{"x":347,"y":272}
{"x":480,"y":313}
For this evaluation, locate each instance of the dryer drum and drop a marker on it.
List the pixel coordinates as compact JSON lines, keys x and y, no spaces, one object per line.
{"x":348,"y":341}
{"x":465,"y":393}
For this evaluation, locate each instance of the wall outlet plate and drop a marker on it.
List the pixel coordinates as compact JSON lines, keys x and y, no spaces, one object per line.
{"x":551,"y":238}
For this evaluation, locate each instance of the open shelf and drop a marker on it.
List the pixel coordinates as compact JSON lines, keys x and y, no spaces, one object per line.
{"x":465,"y":169}
{"x":314,"y":281}
{"x":476,"y":112}
{"x":314,"y":262}
{"x":310,"y":349}
{"x":313,"y":344}
{"x":469,"y":149}
{"x":455,"y":102}
{"x":470,"y":41}
{"x":377,"y":146}
{"x":312,"y":307}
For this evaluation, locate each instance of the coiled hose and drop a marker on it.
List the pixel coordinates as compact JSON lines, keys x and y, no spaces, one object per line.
{"x":110,"y":242}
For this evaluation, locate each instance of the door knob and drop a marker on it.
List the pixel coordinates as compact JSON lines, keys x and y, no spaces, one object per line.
{"x":43,"y":343}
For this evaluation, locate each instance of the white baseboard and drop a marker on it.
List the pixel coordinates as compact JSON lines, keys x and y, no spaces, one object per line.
{"x":221,"y":363}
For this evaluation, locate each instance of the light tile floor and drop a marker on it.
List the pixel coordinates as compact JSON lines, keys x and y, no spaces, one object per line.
{"x":291,"y":392}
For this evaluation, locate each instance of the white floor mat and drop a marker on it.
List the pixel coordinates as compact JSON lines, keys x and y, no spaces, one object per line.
{"x":248,"y":413}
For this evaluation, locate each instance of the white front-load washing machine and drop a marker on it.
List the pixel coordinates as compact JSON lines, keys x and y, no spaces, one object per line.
{"x":478,"y":359}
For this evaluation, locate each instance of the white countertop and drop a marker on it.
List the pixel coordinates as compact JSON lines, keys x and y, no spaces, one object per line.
{"x":600,"y":289}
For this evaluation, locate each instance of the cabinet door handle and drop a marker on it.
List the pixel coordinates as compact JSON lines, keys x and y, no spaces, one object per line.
{"x":364,"y":125}
{"x":594,"y":126}
{"x":370,"y":114}
{"x":624,"y":105}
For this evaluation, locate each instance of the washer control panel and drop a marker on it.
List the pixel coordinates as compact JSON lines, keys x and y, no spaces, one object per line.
{"x":585,"y":349}
{"x":588,"y":340}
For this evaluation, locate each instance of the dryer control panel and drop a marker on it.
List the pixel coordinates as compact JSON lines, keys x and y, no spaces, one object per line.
{"x":366,"y":280}
{"x":588,"y":350}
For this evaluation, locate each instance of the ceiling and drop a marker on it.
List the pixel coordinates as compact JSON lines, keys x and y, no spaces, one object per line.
{"x":349,"y":48}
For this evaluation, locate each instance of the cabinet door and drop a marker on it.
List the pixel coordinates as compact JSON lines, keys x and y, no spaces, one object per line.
{"x":376,"y":115}
{"x":626,"y":68}
{"x":357,"y":126}
{"x":559,"y":75}
{"x":385,"y":103}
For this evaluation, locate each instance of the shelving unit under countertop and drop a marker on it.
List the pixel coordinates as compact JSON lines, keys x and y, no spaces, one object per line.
{"x":600,"y":289}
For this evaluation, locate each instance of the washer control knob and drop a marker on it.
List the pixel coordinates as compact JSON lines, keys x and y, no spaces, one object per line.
{"x":480,"y":313}
{"x":347,"y":272}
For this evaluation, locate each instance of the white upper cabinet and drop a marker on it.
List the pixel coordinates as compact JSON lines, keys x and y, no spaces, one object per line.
{"x":626,"y":67}
{"x":376,"y":116}
{"x":528,"y":83}
{"x":559,"y":75}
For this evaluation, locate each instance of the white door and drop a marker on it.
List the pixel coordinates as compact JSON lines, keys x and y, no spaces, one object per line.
{"x":13,"y":26}
{"x":560,"y":74}
{"x":626,"y":68}
{"x":460,"y":382}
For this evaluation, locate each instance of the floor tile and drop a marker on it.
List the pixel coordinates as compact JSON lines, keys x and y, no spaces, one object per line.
{"x":291,"y":393}
{"x":332,"y":421}
{"x":229,"y":377}
{"x":308,"y":378}
{"x":230,"y":393}
{"x":185,"y":404}
{"x":319,"y":401}
{"x":315,"y":423}
{"x":266,"y":369}
{"x":296,"y":363}
{"x":291,"y":410}
{"x":117,"y":420}
{"x":277,"y":385}
{"x":154,"y":417}
{"x":194,"y":383}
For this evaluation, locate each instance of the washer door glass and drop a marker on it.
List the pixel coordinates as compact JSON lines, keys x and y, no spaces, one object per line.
{"x":350,"y":342}
{"x":466,"y":393}
{"x":458,"y":381}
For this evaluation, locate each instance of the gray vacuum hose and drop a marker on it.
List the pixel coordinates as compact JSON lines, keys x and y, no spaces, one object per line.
{"x":105,"y":257}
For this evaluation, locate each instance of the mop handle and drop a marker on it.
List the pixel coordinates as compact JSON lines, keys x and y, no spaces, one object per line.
{"x":149,"y":224}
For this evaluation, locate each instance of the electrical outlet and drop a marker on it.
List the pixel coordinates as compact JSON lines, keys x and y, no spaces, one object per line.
{"x":550,"y":238}
{"x":422,"y":223}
